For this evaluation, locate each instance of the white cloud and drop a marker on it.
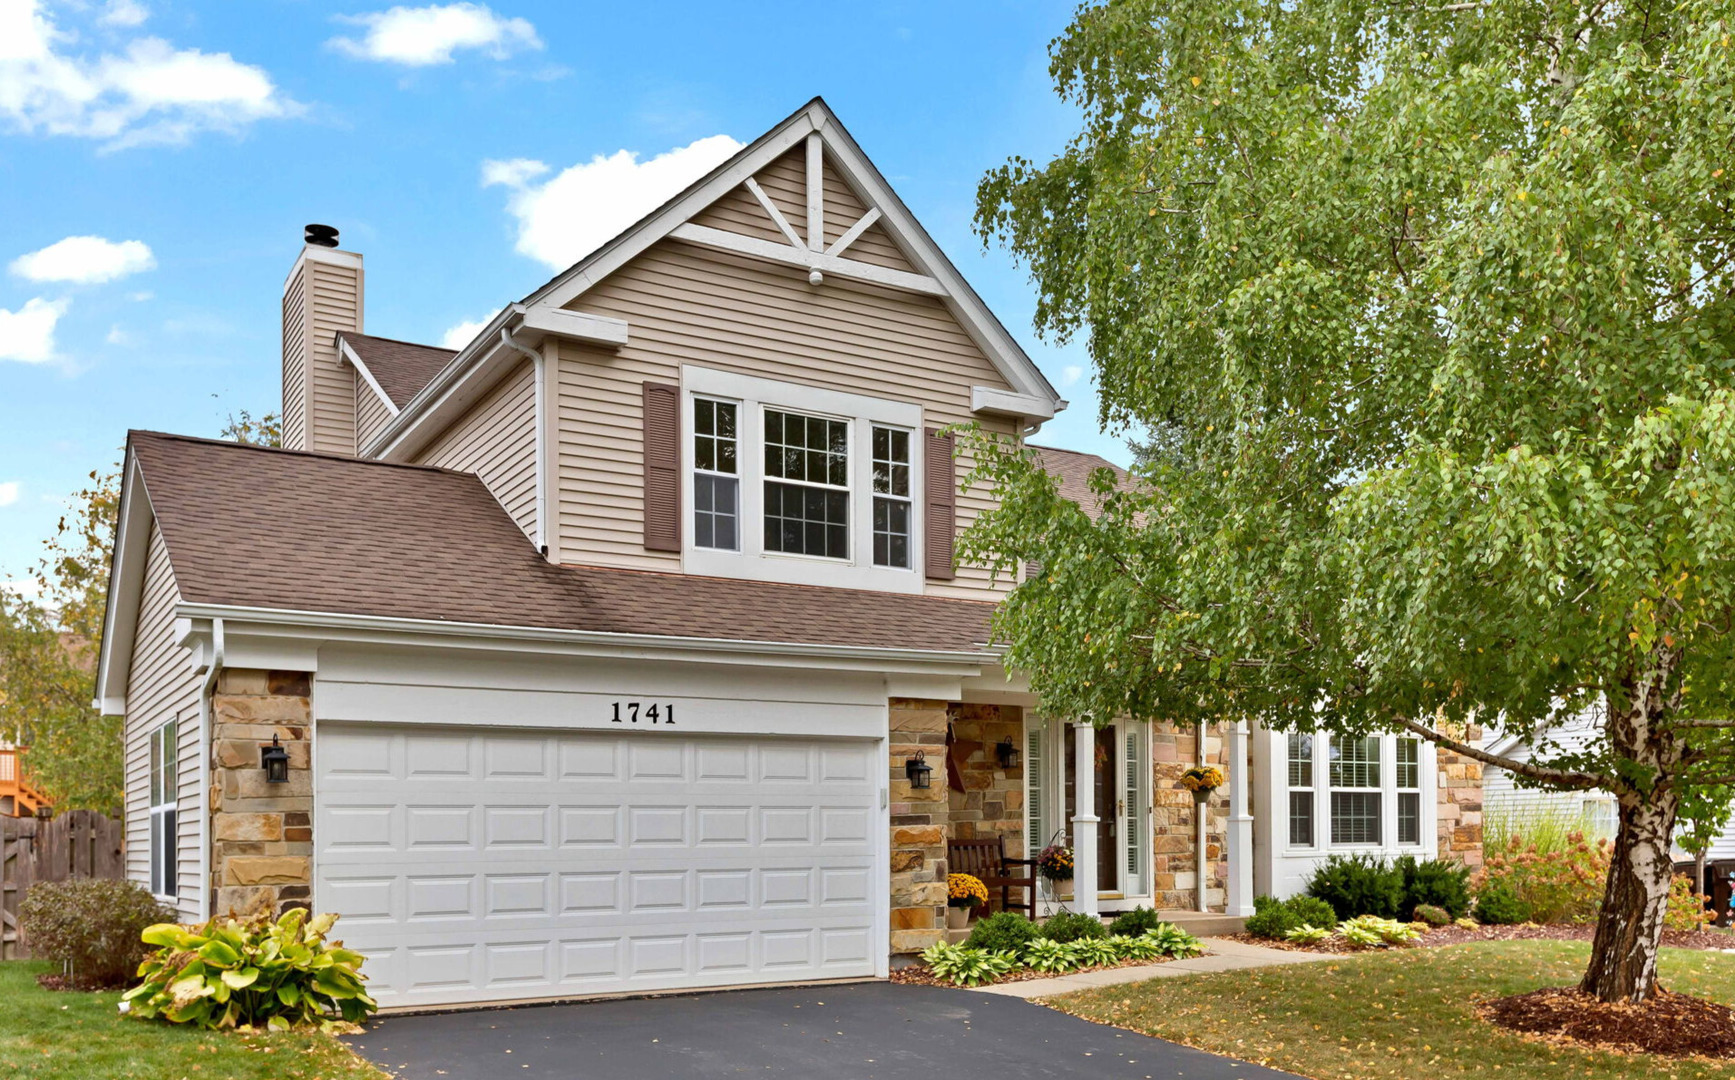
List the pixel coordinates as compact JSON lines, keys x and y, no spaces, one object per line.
{"x":420,"y":36}
{"x":28,"y":333}
{"x":572,"y":214}
{"x":8,"y":492}
{"x":117,"y":336}
{"x":150,"y":92}
{"x":124,"y":13}
{"x":1070,"y":374}
{"x":463,"y":333}
{"x":86,"y":260}
{"x":27,"y":589}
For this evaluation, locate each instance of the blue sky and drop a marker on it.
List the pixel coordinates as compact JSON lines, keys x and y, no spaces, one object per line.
{"x":159,"y":157}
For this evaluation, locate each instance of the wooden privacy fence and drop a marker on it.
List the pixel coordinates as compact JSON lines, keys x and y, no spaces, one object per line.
{"x":77,"y":844}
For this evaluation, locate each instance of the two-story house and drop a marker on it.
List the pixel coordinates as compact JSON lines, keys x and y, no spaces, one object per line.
{"x":604,"y":653}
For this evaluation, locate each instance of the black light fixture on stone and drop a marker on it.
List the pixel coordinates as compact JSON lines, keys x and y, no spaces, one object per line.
{"x":275,"y":761}
{"x":918,"y":770}
{"x":1007,"y":753}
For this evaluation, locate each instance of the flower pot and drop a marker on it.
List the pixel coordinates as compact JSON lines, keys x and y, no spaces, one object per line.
{"x":1202,"y":796}
{"x":957,"y":918}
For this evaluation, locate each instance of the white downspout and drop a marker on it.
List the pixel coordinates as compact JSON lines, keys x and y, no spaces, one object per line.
{"x":537,"y":373}
{"x":205,"y":723}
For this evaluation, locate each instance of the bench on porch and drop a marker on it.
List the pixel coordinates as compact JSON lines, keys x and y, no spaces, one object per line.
{"x":986,"y":860}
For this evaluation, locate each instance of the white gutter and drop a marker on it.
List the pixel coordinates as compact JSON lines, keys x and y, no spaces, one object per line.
{"x":539,"y":634}
{"x":205,"y":722}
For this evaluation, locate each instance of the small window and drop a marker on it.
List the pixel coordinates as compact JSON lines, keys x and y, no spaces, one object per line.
{"x":1301,"y":790}
{"x":164,"y":762}
{"x":716,"y":483}
{"x":1409,"y":769}
{"x":806,"y":485}
{"x":1355,"y":794}
{"x":891,"y":498}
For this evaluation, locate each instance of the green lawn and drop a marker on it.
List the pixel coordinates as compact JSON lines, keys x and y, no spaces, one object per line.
{"x":1397,"y":1014}
{"x":70,"y":1036}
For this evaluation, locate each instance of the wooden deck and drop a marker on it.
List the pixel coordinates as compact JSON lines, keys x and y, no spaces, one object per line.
{"x":17,"y":797}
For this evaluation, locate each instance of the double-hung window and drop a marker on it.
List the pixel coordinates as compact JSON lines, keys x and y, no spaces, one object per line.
{"x":1301,"y":790}
{"x":1355,"y":790}
{"x":801,"y":484}
{"x":1409,"y":769}
{"x":162,"y":810}
{"x":891,"y":498}
{"x":716,"y":475}
{"x":806,"y":485}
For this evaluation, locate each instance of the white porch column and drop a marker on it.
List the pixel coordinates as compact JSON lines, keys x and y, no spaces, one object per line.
{"x":1240,"y":837}
{"x":1084,"y":819}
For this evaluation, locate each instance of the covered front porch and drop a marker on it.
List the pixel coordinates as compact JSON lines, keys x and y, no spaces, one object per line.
{"x":1110,"y":794}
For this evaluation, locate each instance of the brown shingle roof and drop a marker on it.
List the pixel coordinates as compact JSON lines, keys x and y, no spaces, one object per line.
{"x":401,"y":368}
{"x":256,"y":527}
{"x":1073,"y":468}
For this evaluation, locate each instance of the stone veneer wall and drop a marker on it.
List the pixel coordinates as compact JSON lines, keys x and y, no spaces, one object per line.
{"x":261,"y":833}
{"x":1174,"y":821}
{"x":919,"y":821}
{"x":1459,"y":810}
{"x":992,"y":802}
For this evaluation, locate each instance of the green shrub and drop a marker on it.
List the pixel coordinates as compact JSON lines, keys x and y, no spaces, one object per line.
{"x":1003,"y":931}
{"x":1373,"y":930}
{"x":1174,"y":942}
{"x":1135,"y":923}
{"x":1065,"y":926}
{"x":1141,"y":947}
{"x":1437,"y":882}
{"x":1498,"y":905}
{"x":1097,"y":951}
{"x":961,"y":965}
{"x":249,"y":974}
{"x":1433,"y":916}
{"x":1358,"y":885}
{"x":1273,"y":918}
{"x":91,"y":926}
{"x":1308,"y":934}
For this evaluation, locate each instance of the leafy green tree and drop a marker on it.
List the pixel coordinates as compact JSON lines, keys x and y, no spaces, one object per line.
{"x":243,"y":427}
{"x":1434,"y":302}
{"x":48,"y":648}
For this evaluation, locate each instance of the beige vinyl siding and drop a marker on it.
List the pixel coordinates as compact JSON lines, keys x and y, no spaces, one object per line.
{"x":692,"y":305}
{"x":371,"y":413}
{"x":336,"y":305}
{"x":842,"y":211}
{"x":496,"y":440}
{"x":294,"y":364}
{"x":161,"y":686}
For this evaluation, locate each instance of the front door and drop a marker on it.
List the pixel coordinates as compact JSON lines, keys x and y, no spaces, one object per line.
{"x":1120,"y":797}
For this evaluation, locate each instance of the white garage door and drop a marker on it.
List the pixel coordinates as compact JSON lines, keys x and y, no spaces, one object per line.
{"x":474,"y":865}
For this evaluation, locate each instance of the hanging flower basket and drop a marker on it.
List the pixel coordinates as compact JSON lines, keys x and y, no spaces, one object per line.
{"x":1055,"y":862}
{"x":1202,"y":780}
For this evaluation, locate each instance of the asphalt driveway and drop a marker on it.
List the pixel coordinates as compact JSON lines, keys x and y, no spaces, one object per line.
{"x":862,"y":1031}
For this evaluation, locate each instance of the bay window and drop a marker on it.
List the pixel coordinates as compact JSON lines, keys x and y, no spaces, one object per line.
{"x":1355,"y":790}
{"x":1409,"y":791}
{"x":1300,"y":790}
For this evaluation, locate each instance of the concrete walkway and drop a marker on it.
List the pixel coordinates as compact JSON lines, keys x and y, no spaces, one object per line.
{"x":1226,"y":954}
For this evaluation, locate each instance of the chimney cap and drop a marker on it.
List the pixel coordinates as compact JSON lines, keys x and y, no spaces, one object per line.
{"x":320,"y":235}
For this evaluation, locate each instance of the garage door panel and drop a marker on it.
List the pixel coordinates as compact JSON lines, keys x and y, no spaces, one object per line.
{"x":492,"y":865}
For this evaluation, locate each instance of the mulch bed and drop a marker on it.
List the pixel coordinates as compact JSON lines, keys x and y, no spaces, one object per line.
{"x":919,"y":975}
{"x":1669,"y":1024}
{"x":54,"y":980}
{"x":1674,"y":939}
{"x":1335,"y":946}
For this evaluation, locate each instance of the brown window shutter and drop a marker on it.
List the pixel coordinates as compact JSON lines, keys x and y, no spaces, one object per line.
{"x":662,"y":467}
{"x":941,"y":504}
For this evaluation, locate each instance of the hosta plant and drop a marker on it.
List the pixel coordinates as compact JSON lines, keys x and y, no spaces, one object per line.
{"x":1375,"y":932}
{"x":248,"y":974}
{"x":1053,"y":957}
{"x":1141,"y":947}
{"x":1307,"y":934}
{"x":961,"y":965}
{"x":1094,"y":952}
{"x":1174,"y":942}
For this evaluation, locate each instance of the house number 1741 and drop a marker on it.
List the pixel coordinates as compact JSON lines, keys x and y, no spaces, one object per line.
{"x":636,"y":712}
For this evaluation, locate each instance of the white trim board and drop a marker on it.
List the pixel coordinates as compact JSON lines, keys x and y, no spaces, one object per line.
{"x":347,"y":352}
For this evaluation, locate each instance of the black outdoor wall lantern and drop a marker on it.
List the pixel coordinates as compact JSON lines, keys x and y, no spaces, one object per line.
{"x":1007,"y":753}
{"x":275,"y":761}
{"x":918,"y":770}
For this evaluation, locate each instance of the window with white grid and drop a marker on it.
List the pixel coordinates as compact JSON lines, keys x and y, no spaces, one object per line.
{"x":1355,"y":790}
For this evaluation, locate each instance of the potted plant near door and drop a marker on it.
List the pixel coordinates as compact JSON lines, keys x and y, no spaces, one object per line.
{"x":1054,"y":865}
{"x":964,"y":894}
{"x":1202,"y":780}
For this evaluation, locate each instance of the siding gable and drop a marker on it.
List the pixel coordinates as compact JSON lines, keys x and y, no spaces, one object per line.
{"x":496,"y":439}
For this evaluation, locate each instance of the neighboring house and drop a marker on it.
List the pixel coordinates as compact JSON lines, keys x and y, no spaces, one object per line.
{"x":18,"y":796}
{"x":598,"y":652}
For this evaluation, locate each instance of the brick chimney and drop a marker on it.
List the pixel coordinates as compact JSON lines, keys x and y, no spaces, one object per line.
{"x":322,"y":297}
